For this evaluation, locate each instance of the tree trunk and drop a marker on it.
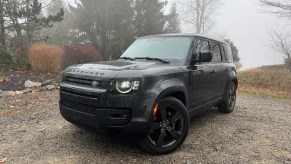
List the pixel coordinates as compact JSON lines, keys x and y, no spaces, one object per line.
{"x":198,"y":24}
{"x":2,"y":25}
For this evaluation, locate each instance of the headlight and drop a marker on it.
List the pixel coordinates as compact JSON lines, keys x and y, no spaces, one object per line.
{"x":126,"y":86}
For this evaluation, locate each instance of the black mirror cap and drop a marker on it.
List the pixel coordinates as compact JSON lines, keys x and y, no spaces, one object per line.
{"x":205,"y":56}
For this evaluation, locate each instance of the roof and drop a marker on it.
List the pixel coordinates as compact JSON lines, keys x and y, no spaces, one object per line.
{"x":188,"y":34}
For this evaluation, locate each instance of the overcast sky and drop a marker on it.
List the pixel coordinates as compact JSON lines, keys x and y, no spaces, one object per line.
{"x":246,"y":25}
{"x":243,"y":22}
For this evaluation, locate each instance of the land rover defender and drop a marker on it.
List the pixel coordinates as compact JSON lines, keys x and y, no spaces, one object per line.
{"x":150,"y":93}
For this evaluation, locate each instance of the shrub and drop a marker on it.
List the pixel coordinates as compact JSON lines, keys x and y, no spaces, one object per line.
{"x":45,"y":58}
{"x":79,"y":54}
{"x":6,"y":58}
{"x":20,"y":47}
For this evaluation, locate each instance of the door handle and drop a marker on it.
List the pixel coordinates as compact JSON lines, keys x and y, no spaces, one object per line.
{"x":213,"y":72}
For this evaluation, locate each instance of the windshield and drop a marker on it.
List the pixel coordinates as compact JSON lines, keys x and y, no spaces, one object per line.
{"x":159,"y":47}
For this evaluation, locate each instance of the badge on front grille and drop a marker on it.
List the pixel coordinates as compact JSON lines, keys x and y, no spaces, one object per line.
{"x":95,"y":83}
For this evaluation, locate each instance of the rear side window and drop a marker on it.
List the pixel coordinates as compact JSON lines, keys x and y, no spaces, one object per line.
{"x":215,"y":49}
{"x":228,"y":53}
{"x":202,"y":46}
{"x":223,"y":53}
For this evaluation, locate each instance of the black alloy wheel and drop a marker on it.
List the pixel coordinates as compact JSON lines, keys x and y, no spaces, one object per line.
{"x":169,"y":128}
{"x":228,"y":105}
{"x":232,"y":97}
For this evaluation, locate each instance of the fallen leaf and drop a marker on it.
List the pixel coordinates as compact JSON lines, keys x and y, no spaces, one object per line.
{"x":3,"y":160}
{"x":41,"y":129}
{"x":61,"y":126}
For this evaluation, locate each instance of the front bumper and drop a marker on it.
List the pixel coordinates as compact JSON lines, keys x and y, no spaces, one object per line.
{"x":136,"y":128}
{"x":90,"y":108}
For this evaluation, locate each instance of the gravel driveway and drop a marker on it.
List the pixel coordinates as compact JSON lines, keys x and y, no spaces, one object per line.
{"x":33,"y":131}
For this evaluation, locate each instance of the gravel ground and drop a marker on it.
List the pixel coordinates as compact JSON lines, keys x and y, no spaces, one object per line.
{"x":33,"y":131}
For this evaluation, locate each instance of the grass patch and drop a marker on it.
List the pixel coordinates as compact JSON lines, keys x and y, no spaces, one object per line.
{"x":268,"y":81}
{"x":13,"y":111}
{"x":45,"y":58}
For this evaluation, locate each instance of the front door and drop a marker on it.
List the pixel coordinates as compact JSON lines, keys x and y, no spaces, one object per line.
{"x":201,"y":78}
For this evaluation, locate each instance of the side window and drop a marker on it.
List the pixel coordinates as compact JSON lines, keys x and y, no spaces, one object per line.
{"x":215,"y":49}
{"x":224,"y":56}
{"x":202,"y":46}
{"x":228,"y":53}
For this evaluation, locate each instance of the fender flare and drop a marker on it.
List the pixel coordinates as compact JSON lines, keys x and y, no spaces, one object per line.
{"x":171,"y":86}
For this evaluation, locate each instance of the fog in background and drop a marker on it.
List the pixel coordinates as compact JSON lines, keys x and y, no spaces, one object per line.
{"x":245,"y":23}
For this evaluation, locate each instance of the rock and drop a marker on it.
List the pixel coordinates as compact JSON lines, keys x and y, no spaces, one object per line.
{"x":47,"y":82}
{"x":36,"y":90}
{"x":31,"y":84}
{"x":1,"y":91}
{"x":27,"y":90}
{"x":50,"y":87}
{"x":18,"y":92}
{"x":8,"y":93}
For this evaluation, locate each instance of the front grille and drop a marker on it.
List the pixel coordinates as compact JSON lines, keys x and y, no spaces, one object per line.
{"x":82,"y":81}
{"x":88,"y":109}
{"x":79,"y":80}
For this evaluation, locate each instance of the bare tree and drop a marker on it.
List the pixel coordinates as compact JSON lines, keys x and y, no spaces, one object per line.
{"x":278,"y":7}
{"x":281,"y":43}
{"x":200,"y":13}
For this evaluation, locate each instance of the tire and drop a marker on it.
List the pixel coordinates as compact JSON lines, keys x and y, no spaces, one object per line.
{"x":228,"y":104}
{"x":169,"y":128}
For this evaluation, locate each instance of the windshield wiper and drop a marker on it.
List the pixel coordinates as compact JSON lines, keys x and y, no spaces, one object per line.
{"x":127,"y":58}
{"x":156,"y":59}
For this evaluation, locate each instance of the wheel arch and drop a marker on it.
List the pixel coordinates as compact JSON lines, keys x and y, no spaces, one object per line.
{"x":235,"y":81}
{"x":176,"y":92}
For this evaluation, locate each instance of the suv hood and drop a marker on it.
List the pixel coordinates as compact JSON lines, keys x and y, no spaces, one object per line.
{"x":119,"y":69}
{"x":117,"y":65}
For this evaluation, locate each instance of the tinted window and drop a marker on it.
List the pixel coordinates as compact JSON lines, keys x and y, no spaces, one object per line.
{"x":159,"y":47}
{"x":224,"y":57}
{"x":202,"y":46}
{"x":228,"y":53}
{"x":215,"y":49}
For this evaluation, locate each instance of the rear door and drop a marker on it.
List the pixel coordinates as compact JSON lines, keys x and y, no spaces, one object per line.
{"x":218,"y":70}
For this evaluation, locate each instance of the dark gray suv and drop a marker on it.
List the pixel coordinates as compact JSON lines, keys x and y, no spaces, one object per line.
{"x":152,"y":91}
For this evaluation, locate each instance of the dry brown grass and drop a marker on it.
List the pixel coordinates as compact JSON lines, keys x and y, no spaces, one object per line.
{"x":268,"y":81}
{"x":45,"y":58}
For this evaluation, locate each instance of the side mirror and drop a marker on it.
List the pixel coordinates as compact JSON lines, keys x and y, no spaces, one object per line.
{"x":201,"y":57}
{"x":205,"y":56}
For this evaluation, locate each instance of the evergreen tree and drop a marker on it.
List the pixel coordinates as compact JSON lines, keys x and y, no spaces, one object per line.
{"x":106,"y":24}
{"x":60,"y":33}
{"x":27,"y":19}
{"x":149,"y":18}
{"x":234,"y":50}
{"x":55,"y":6}
{"x":173,"y":21}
